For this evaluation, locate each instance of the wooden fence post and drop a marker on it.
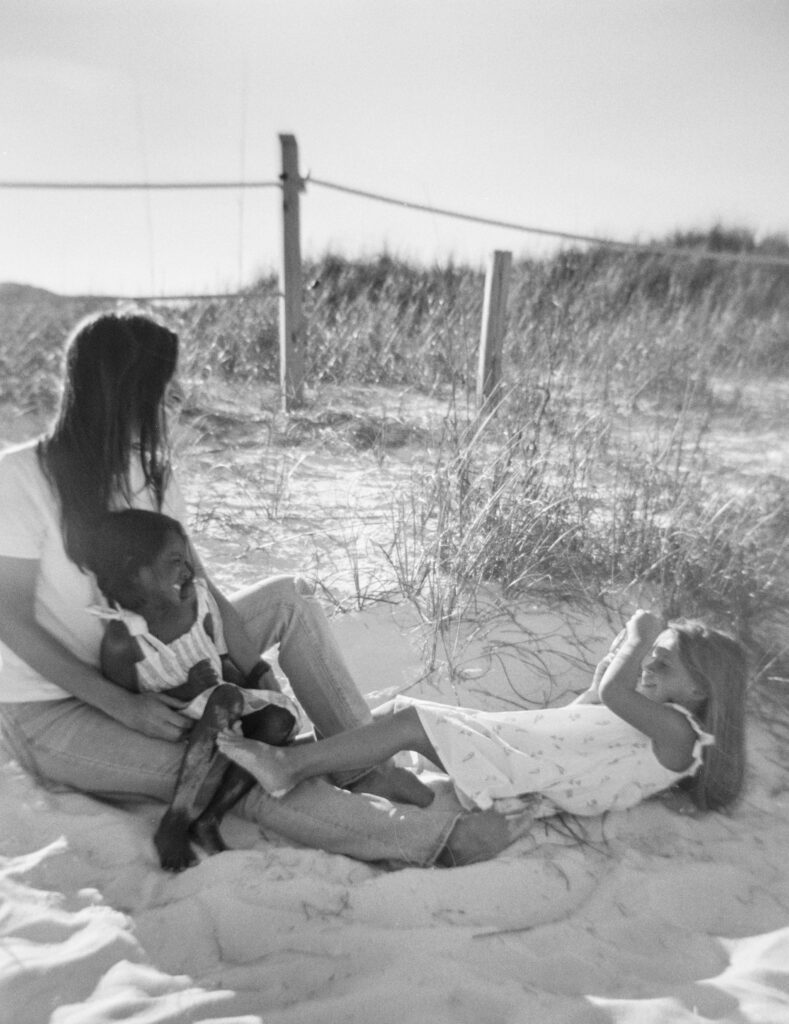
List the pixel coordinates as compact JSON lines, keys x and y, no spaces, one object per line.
{"x":291,"y":327}
{"x":494,"y":309}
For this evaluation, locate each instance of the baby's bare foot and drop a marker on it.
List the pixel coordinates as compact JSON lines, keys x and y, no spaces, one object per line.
{"x":172,"y":843}
{"x":205,"y":832}
{"x":223,"y":707}
{"x":264,"y":763}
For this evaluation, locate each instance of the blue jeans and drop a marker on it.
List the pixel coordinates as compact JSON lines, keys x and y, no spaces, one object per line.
{"x":70,"y":743}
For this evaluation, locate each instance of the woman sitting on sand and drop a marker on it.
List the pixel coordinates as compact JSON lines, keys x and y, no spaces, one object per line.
{"x":108,"y":449}
{"x":635,"y":732}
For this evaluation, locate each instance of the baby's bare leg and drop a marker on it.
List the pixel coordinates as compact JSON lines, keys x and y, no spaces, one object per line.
{"x":271,"y":724}
{"x":201,"y":771}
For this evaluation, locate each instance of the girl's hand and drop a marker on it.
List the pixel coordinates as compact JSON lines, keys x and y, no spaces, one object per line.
{"x":671,"y":734}
{"x":620,"y":670}
{"x":599,"y":671}
{"x":592,"y":695}
{"x":643,"y":628}
{"x":155,"y":715}
{"x":616,"y":643}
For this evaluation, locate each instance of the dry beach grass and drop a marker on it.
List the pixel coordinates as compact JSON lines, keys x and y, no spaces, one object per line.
{"x":638,"y":448}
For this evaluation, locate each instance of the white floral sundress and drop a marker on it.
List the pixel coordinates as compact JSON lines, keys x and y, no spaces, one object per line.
{"x":581,"y":758}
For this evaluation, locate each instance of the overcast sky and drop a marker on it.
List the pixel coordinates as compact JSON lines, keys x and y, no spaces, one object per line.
{"x":626,"y":118}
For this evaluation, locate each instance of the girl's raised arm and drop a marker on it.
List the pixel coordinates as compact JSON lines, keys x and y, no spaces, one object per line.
{"x":592,"y":694}
{"x":672,"y":735}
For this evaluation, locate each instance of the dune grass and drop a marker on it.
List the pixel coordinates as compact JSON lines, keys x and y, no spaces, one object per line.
{"x":601,"y":466}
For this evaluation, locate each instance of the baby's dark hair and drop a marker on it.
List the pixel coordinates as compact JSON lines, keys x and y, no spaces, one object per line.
{"x":125,"y":542}
{"x":718,"y":664}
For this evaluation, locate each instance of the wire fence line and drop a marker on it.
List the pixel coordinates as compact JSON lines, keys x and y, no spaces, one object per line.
{"x":127,"y":186}
{"x":686,"y":252}
{"x":607,"y":243}
{"x":120,"y":186}
{"x":203,"y":297}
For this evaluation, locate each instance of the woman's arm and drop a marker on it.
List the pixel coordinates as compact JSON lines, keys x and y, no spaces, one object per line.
{"x":240,"y":647}
{"x":673,"y":737}
{"x":19,"y":630}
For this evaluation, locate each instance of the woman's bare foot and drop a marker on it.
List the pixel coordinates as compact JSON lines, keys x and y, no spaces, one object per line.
{"x":264,"y":763}
{"x":481,"y":835}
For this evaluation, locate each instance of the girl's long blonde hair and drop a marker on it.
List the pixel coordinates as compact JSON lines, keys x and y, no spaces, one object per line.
{"x":717,"y":662}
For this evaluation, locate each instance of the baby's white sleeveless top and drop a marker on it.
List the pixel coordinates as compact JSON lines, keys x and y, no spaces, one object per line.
{"x":164,"y":666}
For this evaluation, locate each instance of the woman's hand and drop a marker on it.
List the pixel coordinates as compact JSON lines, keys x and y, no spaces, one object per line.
{"x":155,"y":715}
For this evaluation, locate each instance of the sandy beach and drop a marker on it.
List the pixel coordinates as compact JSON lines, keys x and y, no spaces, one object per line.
{"x":641,"y":917}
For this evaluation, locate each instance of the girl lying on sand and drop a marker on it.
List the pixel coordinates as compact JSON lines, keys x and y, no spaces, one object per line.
{"x":164,"y":635}
{"x":636,"y":732}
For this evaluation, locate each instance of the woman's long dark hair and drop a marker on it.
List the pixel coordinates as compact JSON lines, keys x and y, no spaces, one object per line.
{"x":117,"y":368}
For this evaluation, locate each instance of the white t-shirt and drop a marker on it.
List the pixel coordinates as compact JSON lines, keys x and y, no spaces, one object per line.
{"x":30,"y":528}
